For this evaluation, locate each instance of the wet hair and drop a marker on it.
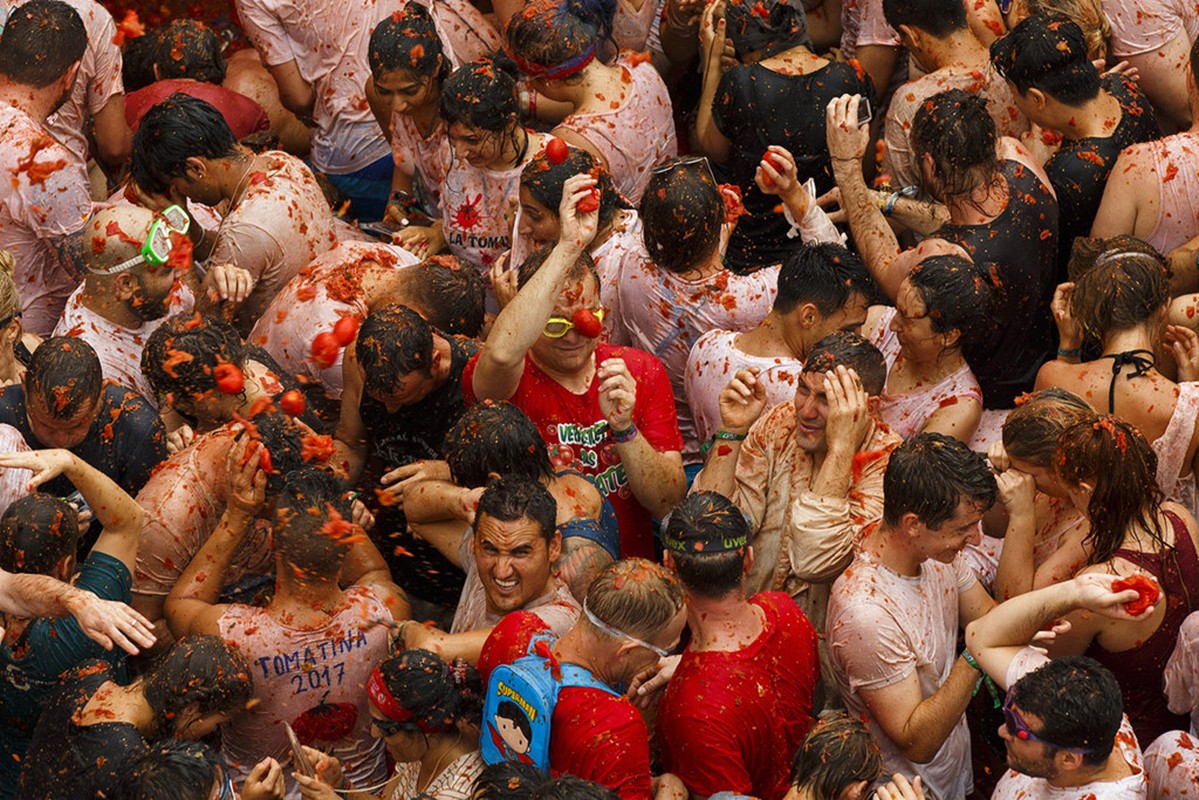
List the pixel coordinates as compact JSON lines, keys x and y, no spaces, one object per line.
{"x":544,"y":180}
{"x":1079,"y":703}
{"x":766,"y":27}
{"x":10,"y":299}
{"x":507,"y":780}
{"x":65,"y":376}
{"x":407,"y":41}
{"x":636,"y":596}
{"x":439,"y":696}
{"x":182,"y":353}
{"x":178,"y":128}
{"x":853,"y":351}
{"x":929,"y":475}
{"x":1114,"y":457}
{"x":283,"y":439}
{"x":552,"y":37}
{"x":510,"y":498}
{"x":826,"y":275}
{"x":1088,"y":15}
{"x":838,"y":752}
{"x":708,"y":516}
{"x":36,"y":532}
{"x":570,"y":787}
{"x":187,"y":48}
{"x":1047,"y":53}
{"x":1195,"y":60}
{"x":173,"y":769}
{"x":954,"y":128}
{"x":137,"y":61}
{"x":453,"y":294}
{"x":482,"y":95}
{"x":1031,"y":430}
{"x":1086,"y":252}
{"x":310,"y":502}
{"x":957,"y":296}
{"x":1120,"y":290}
{"x":495,"y":437}
{"x":202,"y":671}
{"x":42,"y":40}
{"x":393,"y":341}
{"x":581,"y":269}
{"x":681,"y":212}
{"x":937,"y":18}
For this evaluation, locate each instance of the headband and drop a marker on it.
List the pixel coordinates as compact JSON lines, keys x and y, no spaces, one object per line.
{"x":384,"y":700}
{"x":563,"y":70}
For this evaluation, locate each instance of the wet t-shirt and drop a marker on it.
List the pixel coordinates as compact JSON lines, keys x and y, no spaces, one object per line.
{"x":243,"y":115}
{"x":1172,"y":766}
{"x":756,"y":107}
{"x":1141,"y":26}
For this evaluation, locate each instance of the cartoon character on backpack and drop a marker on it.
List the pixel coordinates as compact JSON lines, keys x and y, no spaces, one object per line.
{"x":512,"y":732}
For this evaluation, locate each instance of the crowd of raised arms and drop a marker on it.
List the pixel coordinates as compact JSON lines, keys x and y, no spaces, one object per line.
{"x":599,"y":399}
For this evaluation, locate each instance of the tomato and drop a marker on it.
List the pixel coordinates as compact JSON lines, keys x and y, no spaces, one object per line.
{"x":325,"y":349}
{"x":769,"y":158}
{"x":1147,"y":592}
{"x":589,"y":203}
{"x":587,"y":323}
{"x":556,"y":151}
{"x":264,"y":460}
{"x":229,"y":378}
{"x":292,"y":402}
{"x":345,"y":330}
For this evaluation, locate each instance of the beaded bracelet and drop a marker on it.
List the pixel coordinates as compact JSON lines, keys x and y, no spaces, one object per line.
{"x":627,"y":435}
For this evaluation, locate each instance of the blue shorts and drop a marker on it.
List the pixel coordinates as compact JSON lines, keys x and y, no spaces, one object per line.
{"x":367,"y":189}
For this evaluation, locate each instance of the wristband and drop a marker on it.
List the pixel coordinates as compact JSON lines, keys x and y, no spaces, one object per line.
{"x":888,"y":205}
{"x":983,"y":680}
{"x":1073,"y":352}
{"x":627,"y":435}
{"x":970,"y":659}
{"x":730,"y":437}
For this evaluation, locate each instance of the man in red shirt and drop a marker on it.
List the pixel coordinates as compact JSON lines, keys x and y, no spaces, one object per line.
{"x":742,"y":694}
{"x":609,"y":409}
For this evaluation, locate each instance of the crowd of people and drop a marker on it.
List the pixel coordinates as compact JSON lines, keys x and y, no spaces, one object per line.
{"x":594,"y":399}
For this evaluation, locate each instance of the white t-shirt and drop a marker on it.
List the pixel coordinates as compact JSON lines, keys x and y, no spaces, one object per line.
{"x":1172,"y":765}
{"x":1181,"y":675}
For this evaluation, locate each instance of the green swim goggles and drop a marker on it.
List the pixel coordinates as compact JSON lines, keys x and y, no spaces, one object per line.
{"x":157,"y":247}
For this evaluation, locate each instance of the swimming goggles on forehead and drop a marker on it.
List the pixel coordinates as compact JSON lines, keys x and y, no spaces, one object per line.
{"x":617,"y":633}
{"x":156,"y":249}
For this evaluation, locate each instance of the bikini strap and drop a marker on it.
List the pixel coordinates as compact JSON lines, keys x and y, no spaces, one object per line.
{"x":1141,"y":362}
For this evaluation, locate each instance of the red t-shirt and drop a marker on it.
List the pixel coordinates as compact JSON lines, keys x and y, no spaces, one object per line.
{"x":244,"y":115}
{"x":577,"y":434}
{"x":747,"y":711}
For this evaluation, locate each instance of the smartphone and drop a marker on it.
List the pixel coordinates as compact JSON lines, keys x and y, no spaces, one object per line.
{"x":303,"y":765}
{"x":864,"y":112}
{"x":385,"y":228}
{"x":76,"y":499}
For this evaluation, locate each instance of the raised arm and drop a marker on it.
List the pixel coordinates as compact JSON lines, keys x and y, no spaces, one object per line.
{"x":108,"y":622}
{"x":742,"y":401}
{"x":712,"y":39}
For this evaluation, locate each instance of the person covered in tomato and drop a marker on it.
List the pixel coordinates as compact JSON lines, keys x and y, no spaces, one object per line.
{"x":426,"y":711}
{"x":313,"y":646}
{"x":611,"y":408}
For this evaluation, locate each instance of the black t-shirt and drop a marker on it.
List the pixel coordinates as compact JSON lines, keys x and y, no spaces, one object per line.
{"x":66,"y":760}
{"x":1079,"y":170}
{"x":755,"y":108}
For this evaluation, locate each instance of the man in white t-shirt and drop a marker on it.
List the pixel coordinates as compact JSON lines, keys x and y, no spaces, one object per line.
{"x":1066,"y":734}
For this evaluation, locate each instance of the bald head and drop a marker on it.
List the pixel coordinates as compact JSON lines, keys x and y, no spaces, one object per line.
{"x":114,"y":235}
{"x":137,"y":293}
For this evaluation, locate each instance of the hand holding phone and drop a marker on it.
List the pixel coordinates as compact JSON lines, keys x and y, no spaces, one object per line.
{"x":302,"y":764}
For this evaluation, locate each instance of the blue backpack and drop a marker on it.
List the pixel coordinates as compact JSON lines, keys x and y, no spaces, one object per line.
{"x":520,"y":703}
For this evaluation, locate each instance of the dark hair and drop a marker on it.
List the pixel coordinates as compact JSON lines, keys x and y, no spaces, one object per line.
{"x":495,"y":437}
{"x":1113,"y":456}
{"x":507,"y":709}
{"x":173,"y":769}
{"x":957,"y":296}
{"x":451,"y":293}
{"x":64,"y":374}
{"x":482,"y":95}
{"x":507,"y":780}
{"x":708,"y":516}
{"x":550,"y":34}
{"x":36,"y":532}
{"x":407,"y":41}
{"x":766,"y":27}
{"x":1086,"y":252}
{"x":1079,"y":703}
{"x":853,"y":351}
{"x":178,"y":128}
{"x":182,"y":353}
{"x":283,"y":438}
{"x":393,"y":341}
{"x":825,"y":274}
{"x":1195,"y":60}
{"x":954,"y":128}
{"x":1047,"y":53}
{"x":511,"y":497}
{"x":314,"y":529}
{"x":929,"y":475}
{"x":1031,"y":430}
{"x":569,"y":787}
{"x":838,"y":752}
{"x":42,"y":40}
{"x":544,"y":180}
{"x":579,"y":270}
{"x":937,"y":18}
{"x":1119,"y":291}
{"x":137,"y":61}
{"x":636,"y":596}
{"x":187,"y":48}
{"x":681,"y":212}
{"x":204,"y":671}
{"x":438,"y":695}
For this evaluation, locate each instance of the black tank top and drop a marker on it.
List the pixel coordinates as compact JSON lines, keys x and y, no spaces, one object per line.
{"x":1021,"y":243}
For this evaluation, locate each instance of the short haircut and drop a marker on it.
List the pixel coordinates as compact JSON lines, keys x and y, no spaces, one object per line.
{"x":838,"y":752}
{"x":708,"y":516}
{"x":929,"y":475}
{"x":570,"y":787}
{"x":956,"y":131}
{"x":1031,"y":430}
{"x":452,"y":293}
{"x":181,"y":355}
{"x":937,"y":18}
{"x":178,"y":128}
{"x":507,"y":780}
{"x":1047,"y":53}
{"x":311,"y":501}
{"x":65,"y":376}
{"x":393,"y":341}
{"x":682,"y":213}
{"x":853,"y":351}
{"x":42,"y":39}
{"x":636,"y":596}
{"x":1079,"y":703}
{"x":826,"y":275}
{"x":578,"y":271}
{"x":187,"y":48}
{"x":36,"y":532}
{"x":172,"y":769}
{"x":495,"y":437}
{"x":204,"y":671}
{"x":511,"y":498}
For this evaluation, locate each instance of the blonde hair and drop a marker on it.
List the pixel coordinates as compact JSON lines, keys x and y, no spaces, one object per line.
{"x":1087,"y":14}
{"x":10,"y":302}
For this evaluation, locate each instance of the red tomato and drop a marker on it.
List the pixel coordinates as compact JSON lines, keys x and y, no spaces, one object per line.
{"x":345,"y":330}
{"x":229,"y":379}
{"x":587,"y":323}
{"x":556,"y":151}
{"x":589,"y":203}
{"x":325,"y":349}
{"x":292,"y":402}
{"x":769,"y":159}
{"x":1147,"y":592}
{"x":264,"y":460}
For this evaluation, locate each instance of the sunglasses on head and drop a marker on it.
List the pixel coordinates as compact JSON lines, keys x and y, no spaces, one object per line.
{"x":684,"y":162}
{"x":1018,"y":728}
